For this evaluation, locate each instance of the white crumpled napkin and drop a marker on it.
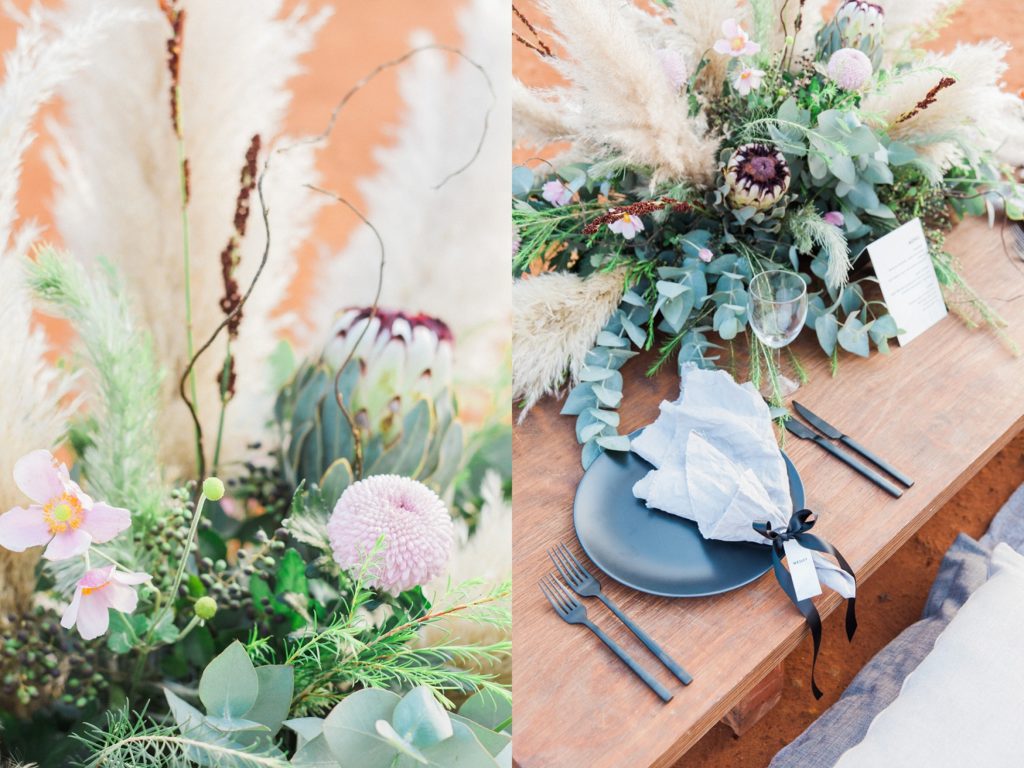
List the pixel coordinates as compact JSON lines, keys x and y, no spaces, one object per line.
{"x":716,"y":462}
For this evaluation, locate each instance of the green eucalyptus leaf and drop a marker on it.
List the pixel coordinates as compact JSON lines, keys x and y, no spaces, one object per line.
{"x":315,"y":753}
{"x":403,"y":747}
{"x":351,"y":728}
{"x":487,"y":708}
{"x":491,"y":740}
{"x":522,"y":181}
{"x":229,"y":686}
{"x":276,"y":685}
{"x":853,"y":337}
{"x":305,"y":728}
{"x":462,"y":750}
{"x":580,"y":398}
{"x":613,"y":442}
{"x":827,"y":329}
{"x":191,"y":721}
{"x":420,"y":719}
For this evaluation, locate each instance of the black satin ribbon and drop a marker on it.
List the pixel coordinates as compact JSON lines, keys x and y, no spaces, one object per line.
{"x":798,"y":529}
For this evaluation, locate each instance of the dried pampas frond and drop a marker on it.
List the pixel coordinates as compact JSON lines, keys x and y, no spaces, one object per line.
{"x":35,"y":406}
{"x":621,"y":105}
{"x":118,"y":190}
{"x":442,"y":244}
{"x":556,"y":319}
{"x":947,"y":121}
{"x":538,"y":116}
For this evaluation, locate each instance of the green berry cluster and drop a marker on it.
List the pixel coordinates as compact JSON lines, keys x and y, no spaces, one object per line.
{"x":228,"y":584}
{"x":42,"y":663}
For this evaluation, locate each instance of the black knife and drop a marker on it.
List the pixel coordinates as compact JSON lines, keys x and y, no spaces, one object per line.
{"x":829,"y":431}
{"x":804,"y":433}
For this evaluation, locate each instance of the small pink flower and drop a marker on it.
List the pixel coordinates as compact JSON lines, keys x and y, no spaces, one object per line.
{"x":835,"y":218}
{"x":705,"y":255}
{"x":556,"y":193}
{"x":98,"y":591}
{"x":63,"y":516}
{"x":673,"y":66}
{"x":749,"y":79}
{"x":736,"y":42}
{"x":627,"y":226}
{"x":415,"y":525}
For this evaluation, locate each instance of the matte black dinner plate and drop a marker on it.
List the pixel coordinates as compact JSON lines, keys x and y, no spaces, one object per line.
{"x":653,"y":551}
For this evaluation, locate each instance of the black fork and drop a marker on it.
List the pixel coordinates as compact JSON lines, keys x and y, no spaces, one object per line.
{"x":573,"y":612}
{"x":584,"y":584}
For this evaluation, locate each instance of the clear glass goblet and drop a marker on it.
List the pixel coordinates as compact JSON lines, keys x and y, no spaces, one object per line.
{"x":777,"y":309}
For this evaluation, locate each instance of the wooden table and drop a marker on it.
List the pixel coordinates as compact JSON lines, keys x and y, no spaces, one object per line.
{"x":938,"y":409}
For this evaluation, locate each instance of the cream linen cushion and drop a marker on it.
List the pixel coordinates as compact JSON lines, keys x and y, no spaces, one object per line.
{"x":963,"y":707}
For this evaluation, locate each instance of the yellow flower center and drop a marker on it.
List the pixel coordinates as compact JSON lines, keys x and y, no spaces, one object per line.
{"x":739,"y":43}
{"x":90,"y":590}
{"x":745,"y":75}
{"x":63,"y":513}
{"x":626,"y":218}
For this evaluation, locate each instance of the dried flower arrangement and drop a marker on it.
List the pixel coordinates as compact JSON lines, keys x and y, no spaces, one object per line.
{"x":354,"y":559}
{"x":711,"y":141}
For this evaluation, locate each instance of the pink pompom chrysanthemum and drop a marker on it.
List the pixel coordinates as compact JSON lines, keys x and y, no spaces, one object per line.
{"x":850,"y":69}
{"x":413,"y":522}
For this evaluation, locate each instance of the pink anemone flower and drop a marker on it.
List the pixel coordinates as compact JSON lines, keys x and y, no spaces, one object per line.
{"x":63,"y":517}
{"x":736,"y":41}
{"x":98,"y":591}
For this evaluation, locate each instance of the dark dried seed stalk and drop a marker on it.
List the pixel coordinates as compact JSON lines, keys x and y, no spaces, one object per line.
{"x":641,"y":208}
{"x":928,"y":100}
{"x":540,"y":47}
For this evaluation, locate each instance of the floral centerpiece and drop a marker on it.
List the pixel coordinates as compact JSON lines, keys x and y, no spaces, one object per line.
{"x":342,"y":593}
{"x":711,"y":141}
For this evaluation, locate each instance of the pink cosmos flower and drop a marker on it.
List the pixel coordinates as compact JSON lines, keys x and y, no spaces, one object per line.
{"x":705,"y":255}
{"x":63,"y":516}
{"x":98,"y":591}
{"x":627,"y":226}
{"x":556,"y":193}
{"x":736,"y":42}
{"x":415,"y":525}
{"x":749,"y":79}
{"x":835,"y":218}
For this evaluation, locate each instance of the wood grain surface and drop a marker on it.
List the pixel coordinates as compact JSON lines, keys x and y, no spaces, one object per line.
{"x":938,"y":410}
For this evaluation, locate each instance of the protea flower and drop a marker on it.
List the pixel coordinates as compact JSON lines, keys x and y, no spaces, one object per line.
{"x":857,"y":24}
{"x":757,"y":176}
{"x":404,"y":357}
{"x":860,"y":19}
{"x":411,"y":519}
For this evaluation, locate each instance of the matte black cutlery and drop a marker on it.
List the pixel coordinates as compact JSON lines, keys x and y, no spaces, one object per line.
{"x":829,"y":431}
{"x":584,"y":584}
{"x":805,"y":433}
{"x":572,"y":611}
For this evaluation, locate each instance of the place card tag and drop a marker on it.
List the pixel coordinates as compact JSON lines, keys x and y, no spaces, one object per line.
{"x":907,"y":278}
{"x":802,"y":570}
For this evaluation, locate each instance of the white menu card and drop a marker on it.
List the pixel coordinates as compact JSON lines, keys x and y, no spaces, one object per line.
{"x":907,"y":278}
